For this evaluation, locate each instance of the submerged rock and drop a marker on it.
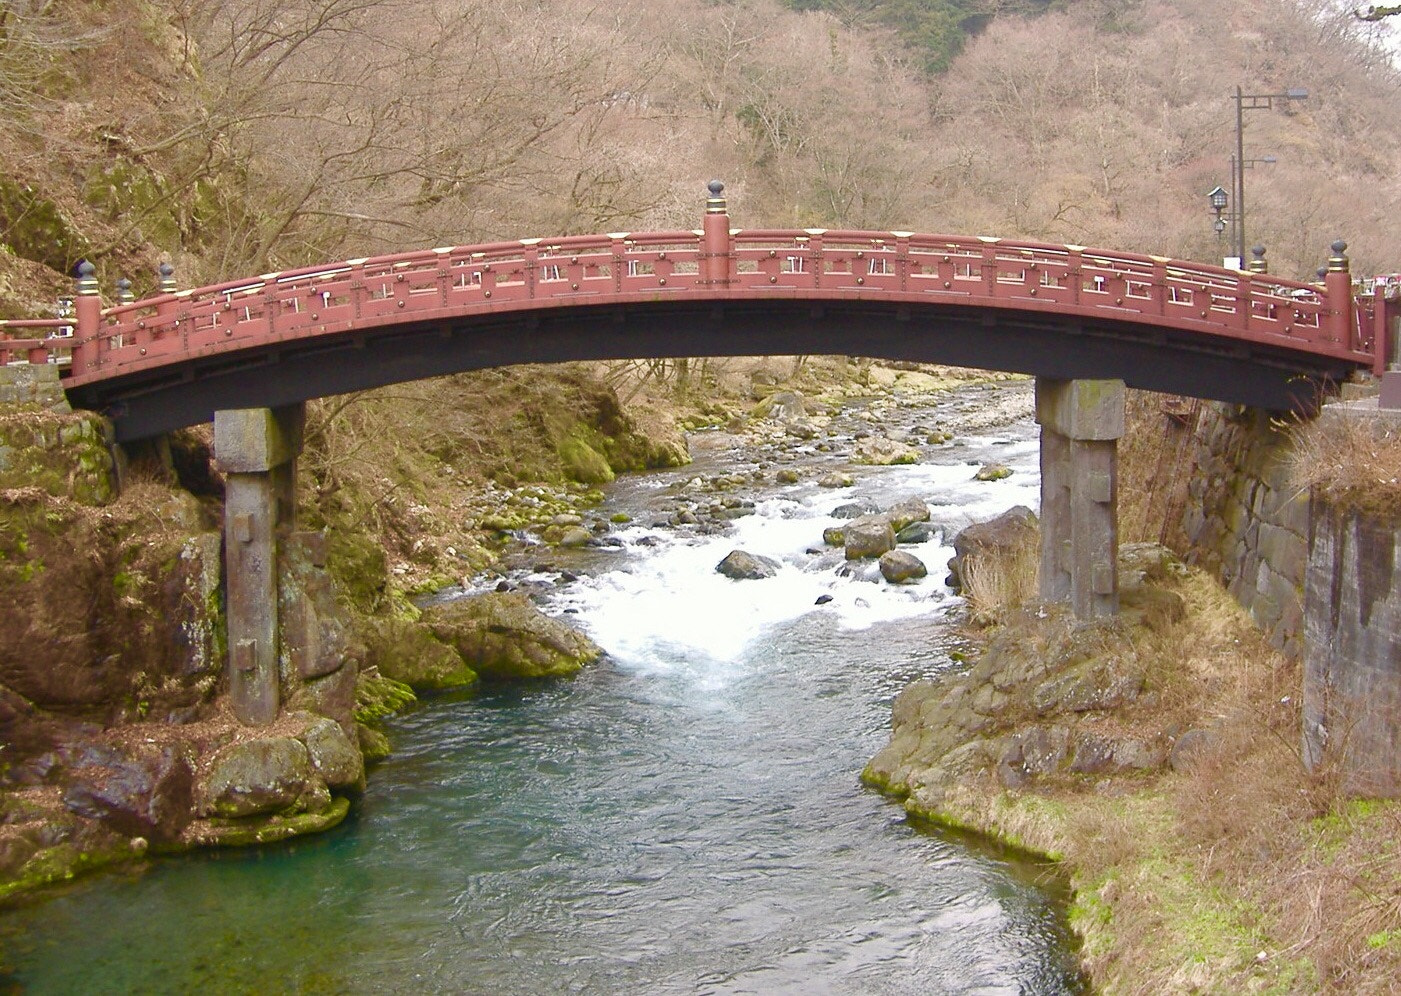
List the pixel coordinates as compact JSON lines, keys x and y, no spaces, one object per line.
{"x":854,"y":510}
{"x":916,"y":532}
{"x":744,"y":566}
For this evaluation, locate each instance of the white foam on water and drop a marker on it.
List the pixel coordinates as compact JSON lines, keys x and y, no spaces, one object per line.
{"x":669,"y":609}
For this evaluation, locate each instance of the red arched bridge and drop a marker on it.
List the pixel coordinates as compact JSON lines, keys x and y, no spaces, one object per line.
{"x":1056,"y":311}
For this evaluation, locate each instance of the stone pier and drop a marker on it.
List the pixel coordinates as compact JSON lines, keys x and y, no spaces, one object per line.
{"x":257,"y":449}
{"x":1081,"y":423}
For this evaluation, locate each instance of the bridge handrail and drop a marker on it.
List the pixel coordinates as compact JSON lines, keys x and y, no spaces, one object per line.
{"x":905,"y":267}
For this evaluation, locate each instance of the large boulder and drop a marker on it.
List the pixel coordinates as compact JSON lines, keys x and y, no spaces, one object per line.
{"x":868,"y":536}
{"x":334,"y":757}
{"x":897,"y":567}
{"x":1004,"y":534}
{"x":265,"y":775}
{"x":407,"y":652}
{"x":907,"y":512}
{"x":503,"y":635}
{"x":140,"y":790}
{"x":744,"y":566}
{"x":881,"y":452}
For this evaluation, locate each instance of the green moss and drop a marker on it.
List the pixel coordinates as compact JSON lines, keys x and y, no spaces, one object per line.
{"x":1384,"y":938}
{"x":407,"y":652}
{"x":582,"y":463}
{"x":124,"y":190}
{"x":374,"y":745}
{"x":377,"y":696}
{"x":61,"y":863}
{"x":36,"y":228}
{"x":269,"y":829}
{"x":214,"y":613}
{"x":359,"y":567}
{"x":878,"y":781}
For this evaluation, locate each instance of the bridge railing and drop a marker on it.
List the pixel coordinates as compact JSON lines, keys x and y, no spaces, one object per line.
{"x":355,"y":296}
{"x":36,"y":340}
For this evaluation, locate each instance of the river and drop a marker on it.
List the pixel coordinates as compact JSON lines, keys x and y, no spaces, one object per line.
{"x":684,"y":817}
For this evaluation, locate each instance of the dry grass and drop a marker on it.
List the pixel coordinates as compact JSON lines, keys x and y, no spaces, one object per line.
{"x":1155,"y":463}
{"x":1354,"y":460}
{"x":996,"y":586}
{"x":1241,"y":873}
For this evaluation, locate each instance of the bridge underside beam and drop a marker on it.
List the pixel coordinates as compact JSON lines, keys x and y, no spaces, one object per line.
{"x":1046,"y":345}
{"x":1081,"y":423}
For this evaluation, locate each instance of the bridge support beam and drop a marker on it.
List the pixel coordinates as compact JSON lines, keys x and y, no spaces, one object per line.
{"x":257,"y":449}
{"x":1081,"y":422}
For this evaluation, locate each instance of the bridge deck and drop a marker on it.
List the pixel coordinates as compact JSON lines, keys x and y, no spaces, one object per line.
{"x":1033,"y":307}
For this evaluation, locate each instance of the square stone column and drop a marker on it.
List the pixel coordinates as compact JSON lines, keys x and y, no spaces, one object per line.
{"x":256,"y":448}
{"x":1081,"y":423}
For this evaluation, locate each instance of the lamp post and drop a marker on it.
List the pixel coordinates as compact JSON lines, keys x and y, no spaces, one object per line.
{"x":1251,"y":102}
{"x":1218,"y":199}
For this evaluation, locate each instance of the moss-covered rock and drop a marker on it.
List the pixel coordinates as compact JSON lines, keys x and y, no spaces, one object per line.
{"x":407,"y":652}
{"x":266,"y":775}
{"x":37,"y":228}
{"x":504,"y":636}
{"x":581,"y":462}
{"x":66,"y":455}
{"x":334,"y":758}
{"x":250,"y":830}
{"x":359,"y":567}
{"x":121,"y":189}
{"x":377,"y":696}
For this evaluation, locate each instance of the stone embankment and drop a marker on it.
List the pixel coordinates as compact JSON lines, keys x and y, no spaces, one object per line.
{"x":1047,"y":700}
{"x":1246,"y":522}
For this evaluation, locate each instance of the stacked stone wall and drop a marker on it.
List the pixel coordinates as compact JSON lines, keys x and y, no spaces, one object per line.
{"x":32,"y":384}
{"x":1246,"y":523}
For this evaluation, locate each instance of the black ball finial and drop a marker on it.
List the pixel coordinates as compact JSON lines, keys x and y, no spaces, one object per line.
{"x":715,"y":187}
{"x":86,"y":269}
{"x":1339,"y":247}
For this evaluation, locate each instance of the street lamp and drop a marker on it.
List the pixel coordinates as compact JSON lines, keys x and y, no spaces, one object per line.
{"x":1218,"y":199}
{"x":1251,"y":102}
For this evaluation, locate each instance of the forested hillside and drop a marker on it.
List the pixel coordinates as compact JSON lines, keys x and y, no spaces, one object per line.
{"x":237,"y":137}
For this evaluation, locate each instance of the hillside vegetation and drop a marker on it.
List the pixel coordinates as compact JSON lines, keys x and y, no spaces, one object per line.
{"x":238,"y":137}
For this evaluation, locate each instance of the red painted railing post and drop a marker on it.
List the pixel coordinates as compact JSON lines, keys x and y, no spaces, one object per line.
{"x":717,"y":254}
{"x":87,"y":316}
{"x":1381,"y":333}
{"x":1337,"y":285}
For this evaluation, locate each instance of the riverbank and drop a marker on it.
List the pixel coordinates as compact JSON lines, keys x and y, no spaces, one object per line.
{"x":1157,"y":760}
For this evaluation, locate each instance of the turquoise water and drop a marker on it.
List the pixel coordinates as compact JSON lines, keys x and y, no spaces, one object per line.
{"x":683,"y":818}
